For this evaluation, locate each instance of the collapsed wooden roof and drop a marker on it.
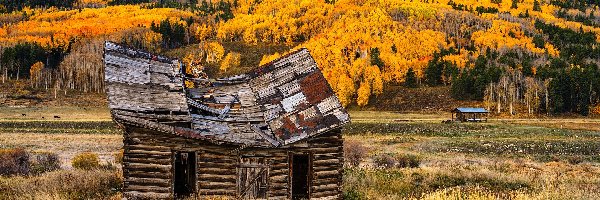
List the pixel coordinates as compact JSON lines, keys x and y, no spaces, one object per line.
{"x":277,"y":104}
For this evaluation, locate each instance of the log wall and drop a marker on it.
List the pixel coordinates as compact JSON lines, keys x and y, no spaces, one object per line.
{"x":148,"y":172}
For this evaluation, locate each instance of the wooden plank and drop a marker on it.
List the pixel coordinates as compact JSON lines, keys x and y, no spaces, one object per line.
{"x":146,"y":174}
{"x":216,"y":171}
{"x":327,"y":174}
{"x":220,"y":192}
{"x":331,"y":194}
{"x":162,"y":153}
{"x":146,"y":195}
{"x":326,"y":162}
{"x":148,"y":147}
{"x":147,"y":167}
{"x":155,"y":189}
{"x":217,"y":178}
{"x":216,"y":185}
{"x":147,"y":160}
{"x":148,"y":181}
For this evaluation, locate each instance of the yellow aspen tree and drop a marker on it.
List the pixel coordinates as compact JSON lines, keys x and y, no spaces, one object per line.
{"x":35,"y":73}
{"x":364,"y":91}
{"x":231,"y":60}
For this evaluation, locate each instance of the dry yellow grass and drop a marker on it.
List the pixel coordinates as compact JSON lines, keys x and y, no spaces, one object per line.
{"x":66,"y":145}
{"x":48,"y":113}
{"x":441,"y":174}
{"x":472,"y":174}
{"x":63,"y":184}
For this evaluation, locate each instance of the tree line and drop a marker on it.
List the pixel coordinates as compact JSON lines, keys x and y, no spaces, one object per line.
{"x":8,"y":6}
{"x":569,"y":83}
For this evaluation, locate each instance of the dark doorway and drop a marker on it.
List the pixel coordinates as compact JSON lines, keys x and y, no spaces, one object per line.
{"x":300,"y":164}
{"x":185,"y":174}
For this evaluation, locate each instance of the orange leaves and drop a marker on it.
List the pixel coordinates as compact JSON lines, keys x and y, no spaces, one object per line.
{"x":268,"y":58}
{"x":193,"y":65}
{"x":364,"y":91}
{"x":552,"y":51}
{"x":214,"y":51}
{"x":504,"y":34}
{"x":231,"y":60}
{"x":204,"y":31}
{"x":277,"y":21}
{"x":48,"y":25}
{"x":342,"y":85}
{"x":35,"y":71}
{"x":596,"y":109}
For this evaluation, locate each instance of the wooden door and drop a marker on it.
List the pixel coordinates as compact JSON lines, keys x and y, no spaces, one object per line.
{"x":253,"y":175}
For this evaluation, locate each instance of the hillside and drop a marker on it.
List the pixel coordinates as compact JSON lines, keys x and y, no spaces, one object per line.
{"x":522,"y":56}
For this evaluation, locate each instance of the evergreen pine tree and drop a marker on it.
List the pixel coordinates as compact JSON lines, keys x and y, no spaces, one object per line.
{"x":411,"y":78}
{"x":536,"y":6}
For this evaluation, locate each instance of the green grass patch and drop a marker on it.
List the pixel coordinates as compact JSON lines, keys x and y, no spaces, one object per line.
{"x":50,"y":127}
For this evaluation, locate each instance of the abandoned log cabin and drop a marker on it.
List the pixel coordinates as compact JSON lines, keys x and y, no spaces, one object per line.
{"x":273,"y":133}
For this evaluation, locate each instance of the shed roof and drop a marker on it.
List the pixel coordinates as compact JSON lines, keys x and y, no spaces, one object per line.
{"x":470,"y":110}
{"x":279,"y":103}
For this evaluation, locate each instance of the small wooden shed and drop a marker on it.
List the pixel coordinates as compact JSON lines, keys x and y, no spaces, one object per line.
{"x":273,"y":133}
{"x":470,"y":114}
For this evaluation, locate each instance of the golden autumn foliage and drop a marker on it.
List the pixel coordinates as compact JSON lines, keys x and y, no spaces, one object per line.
{"x":192,"y":63}
{"x":35,"y":71}
{"x":53,"y":27}
{"x":214,"y":51}
{"x":231,"y":60}
{"x":268,"y":58}
{"x":345,"y":38}
{"x":405,"y":33}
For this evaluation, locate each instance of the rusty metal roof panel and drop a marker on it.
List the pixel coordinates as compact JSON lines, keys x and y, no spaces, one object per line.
{"x":282,"y":102}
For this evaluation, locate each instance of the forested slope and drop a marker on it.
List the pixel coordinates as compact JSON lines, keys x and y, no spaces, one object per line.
{"x":514,"y":56}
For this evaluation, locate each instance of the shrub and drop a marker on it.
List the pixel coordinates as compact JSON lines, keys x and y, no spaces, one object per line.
{"x":119,"y":157}
{"x":353,"y":194}
{"x":63,"y":184}
{"x":86,"y":161}
{"x":354,"y":152}
{"x":596,"y":110}
{"x":14,"y":162}
{"x":573,"y":160}
{"x":384,"y":161}
{"x":45,"y":162}
{"x":408,"y":161}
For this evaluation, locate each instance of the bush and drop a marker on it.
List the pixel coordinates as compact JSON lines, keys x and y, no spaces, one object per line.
{"x":408,"y":161}
{"x":14,"y":162}
{"x":86,"y":161}
{"x":353,"y":194}
{"x":384,"y":161}
{"x":63,"y":184}
{"x":45,"y":162}
{"x":354,"y":152}
{"x":119,"y":157}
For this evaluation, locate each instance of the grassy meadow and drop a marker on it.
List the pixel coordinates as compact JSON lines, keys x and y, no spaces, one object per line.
{"x":388,"y":156}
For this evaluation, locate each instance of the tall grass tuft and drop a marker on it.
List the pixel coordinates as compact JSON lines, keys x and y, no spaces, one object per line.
{"x":86,"y":161}
{"x":63,"y":184}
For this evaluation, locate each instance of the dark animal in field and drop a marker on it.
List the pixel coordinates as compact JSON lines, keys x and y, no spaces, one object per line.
{"x":56,"y":117}
{"x":23,"y":114}
{"x":43,"y":118}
